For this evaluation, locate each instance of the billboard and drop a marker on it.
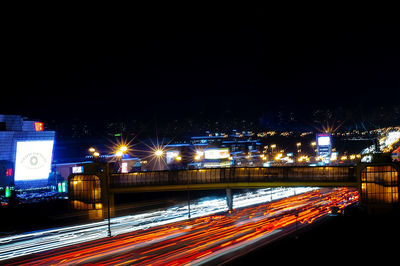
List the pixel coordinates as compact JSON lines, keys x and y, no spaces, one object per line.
{"x":124,"y":167}
{"x":33,"y":160}
{"x":324,"y":140}
{"x":212,"y":154}
{"x":171,"y":155}
{"x":77,"y":169}
{"x":324,"y":147}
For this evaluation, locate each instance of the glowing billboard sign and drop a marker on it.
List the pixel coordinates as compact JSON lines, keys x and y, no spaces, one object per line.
{"x":9,"y":172}
{"x":324,"y":140}
{"x":77,"y":169}
{"x":171,"y":155}
{"x":7,"y":193}
{"x":324,"y":148}
{"x":62,"y":187}
{"x":33,"y":160}
{"x":39,"y":126}
{"x":222,"y":153}
{"x":124,"y":167}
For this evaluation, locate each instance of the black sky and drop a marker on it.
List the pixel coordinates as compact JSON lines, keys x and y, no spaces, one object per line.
{"x":140,"y":63}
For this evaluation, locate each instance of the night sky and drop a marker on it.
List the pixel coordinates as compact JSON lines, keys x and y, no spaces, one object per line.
{"x":174,"y":61}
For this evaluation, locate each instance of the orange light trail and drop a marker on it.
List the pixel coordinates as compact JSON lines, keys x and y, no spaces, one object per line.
{"x":204,"y":238}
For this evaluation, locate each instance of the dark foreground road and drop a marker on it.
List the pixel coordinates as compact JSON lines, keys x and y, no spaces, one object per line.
{"x":355,"y":238}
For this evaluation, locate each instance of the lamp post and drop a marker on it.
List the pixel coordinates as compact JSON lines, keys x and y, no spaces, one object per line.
{"x":273,"y":146}
{"x":108,"y":198}
{"x":296,"y":213}
{"x":93,"y":152}
{"x":159,"y":153}
{"x":188,"y":194}
{"x":298,"y":144}
{"x":119,"y":154}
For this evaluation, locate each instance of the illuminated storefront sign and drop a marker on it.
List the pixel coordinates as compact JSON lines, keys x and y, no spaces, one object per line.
{"x":9,"y":172}
{"x":77,"y":169}
{"x":124,"y":167}
{"x":222,"y":153}
{"x":7,"y":192}
{"x":171,"y":155}
{"x":62,"y":187}
{"x":39,"y":126}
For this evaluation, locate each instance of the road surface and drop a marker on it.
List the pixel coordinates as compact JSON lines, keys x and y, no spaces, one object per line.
{"x":216,"y":238}
{"x":43,"y":240}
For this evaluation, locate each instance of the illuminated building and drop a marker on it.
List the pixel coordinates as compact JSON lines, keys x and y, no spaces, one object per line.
{"x":6,"y":175}
{"x":26,"y":149}
{"x":380,"y":184}
{"x":233,"y":142}
{"x":219,"y":150}
{"x":128,"y":164}
{"x":240,"y":147}
{"x":178,"y":156}
{"x":216,"y":157}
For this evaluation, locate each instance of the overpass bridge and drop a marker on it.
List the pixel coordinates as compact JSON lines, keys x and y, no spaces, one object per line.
{"x":238,"y":177}
{"x":94,"y":190}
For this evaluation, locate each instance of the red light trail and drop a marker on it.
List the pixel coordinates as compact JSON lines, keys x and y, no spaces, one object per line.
{"x":201,"y":239}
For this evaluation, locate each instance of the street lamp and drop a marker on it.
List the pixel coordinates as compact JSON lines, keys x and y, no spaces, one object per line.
{"x":122,"y":149}
{"x":94,"y":153}
{"x":314,"y":143}
{"x":159,"y":153}
{"x":273,"y":146}
{"x":298,"y":144}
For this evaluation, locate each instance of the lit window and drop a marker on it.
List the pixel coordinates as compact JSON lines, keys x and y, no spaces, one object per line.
{"x":39,"y":126}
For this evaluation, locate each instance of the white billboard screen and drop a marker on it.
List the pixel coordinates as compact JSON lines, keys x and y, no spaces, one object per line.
{"x":324,"y":140}
{"x":33,"y":160}
{"x":77,"y":169}
{"x":124,"y":167}
{"x":216,"y":153}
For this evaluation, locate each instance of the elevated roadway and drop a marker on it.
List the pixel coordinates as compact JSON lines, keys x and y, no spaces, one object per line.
{"x":93,"y":191}
{"x":234,"y":178}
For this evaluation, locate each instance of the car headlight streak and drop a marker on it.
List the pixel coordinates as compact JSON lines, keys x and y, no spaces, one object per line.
{"x":33,"y":242}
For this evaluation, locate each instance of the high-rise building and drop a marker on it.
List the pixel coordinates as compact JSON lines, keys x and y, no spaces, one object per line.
{"x":26,"y":150}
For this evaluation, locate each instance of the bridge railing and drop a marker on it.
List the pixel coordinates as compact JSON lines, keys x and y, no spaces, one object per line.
{"x":234,"y":175}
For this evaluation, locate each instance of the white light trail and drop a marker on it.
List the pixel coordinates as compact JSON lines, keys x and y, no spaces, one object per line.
{"x":38,"y":241}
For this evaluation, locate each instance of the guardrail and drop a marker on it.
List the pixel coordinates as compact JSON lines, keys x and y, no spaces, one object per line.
{"x":232,"y":175}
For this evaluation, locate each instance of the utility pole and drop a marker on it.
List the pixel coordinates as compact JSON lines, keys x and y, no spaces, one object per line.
{"x":108,"y":197}
{"x":296,"y":213}
{"x":188,"y":193}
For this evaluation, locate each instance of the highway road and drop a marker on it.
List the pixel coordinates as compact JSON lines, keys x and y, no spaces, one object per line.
{"x":38,"y":241}
{"x":217,"y":237}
